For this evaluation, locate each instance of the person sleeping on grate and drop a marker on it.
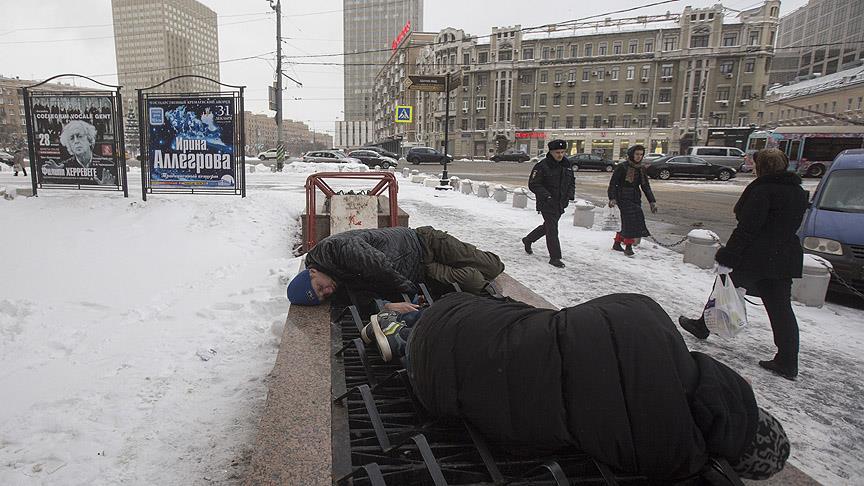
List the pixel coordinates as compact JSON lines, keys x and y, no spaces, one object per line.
{"x":611,"y":377}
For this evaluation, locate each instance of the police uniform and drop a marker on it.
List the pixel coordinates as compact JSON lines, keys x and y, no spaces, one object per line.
{"x":554,"y":185}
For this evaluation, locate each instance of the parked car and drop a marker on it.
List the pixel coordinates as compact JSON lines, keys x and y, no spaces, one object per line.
{"x":688,"y":166}
{"x":267,"y":154}
{"x":592,"y":162}
{"x":833,"y":226}
{"x":725,"y":156}
{"x":7,"y":158}
{"x":333,"y":156}
{"x":511,"y":156}
{"x":419,"y":155}
{"x":381,"y":151}
{"x":372,"y":159}
{"x":650,"y":157}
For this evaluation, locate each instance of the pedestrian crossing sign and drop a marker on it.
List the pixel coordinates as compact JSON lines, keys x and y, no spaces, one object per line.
{"x":404,"y":114}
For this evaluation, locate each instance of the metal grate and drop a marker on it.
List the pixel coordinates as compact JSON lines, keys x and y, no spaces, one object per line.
{"x":857,"y":251}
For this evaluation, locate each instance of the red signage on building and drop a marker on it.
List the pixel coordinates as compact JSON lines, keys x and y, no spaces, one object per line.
{"x":399,"y":38}
{"x":530,"y":134}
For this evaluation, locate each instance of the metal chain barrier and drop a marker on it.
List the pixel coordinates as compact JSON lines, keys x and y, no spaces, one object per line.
{"x":842,"y":281}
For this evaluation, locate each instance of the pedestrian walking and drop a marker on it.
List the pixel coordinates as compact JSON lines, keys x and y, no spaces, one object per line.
{"x":18,"y":163}
{"x":764,"y":254}
{"x":628,"y":182}
{"x":554,"y":184}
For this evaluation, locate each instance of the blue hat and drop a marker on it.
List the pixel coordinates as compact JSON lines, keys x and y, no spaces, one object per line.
{"x":300,"y":290}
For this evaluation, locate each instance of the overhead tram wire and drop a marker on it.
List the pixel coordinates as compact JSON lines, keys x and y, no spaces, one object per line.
{"x":48,"y":41}
{"x":246,"y":58}
{"x":91,"y":26}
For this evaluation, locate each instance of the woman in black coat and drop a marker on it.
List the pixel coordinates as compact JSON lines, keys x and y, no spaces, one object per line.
{"x":766,"y":255}
{"x":628,"y":182}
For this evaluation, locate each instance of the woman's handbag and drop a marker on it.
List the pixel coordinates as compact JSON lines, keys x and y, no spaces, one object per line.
{"x":726,"y":312}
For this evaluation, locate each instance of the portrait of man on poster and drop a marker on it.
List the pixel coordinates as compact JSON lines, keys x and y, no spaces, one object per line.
{"x":79,"y":137}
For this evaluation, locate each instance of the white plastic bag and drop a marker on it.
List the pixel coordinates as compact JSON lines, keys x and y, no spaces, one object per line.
{"x":726,"y":312}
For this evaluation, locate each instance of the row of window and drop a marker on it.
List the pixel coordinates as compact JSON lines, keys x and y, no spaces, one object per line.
{"x":814,"y":110}
{"x":598,"y":121}
{"x":664,"y":95}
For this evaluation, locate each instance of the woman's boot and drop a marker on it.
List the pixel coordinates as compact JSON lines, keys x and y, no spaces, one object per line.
{"x":628,"y":250}
{"x":695,"y":327}
{"x":617,"y":246}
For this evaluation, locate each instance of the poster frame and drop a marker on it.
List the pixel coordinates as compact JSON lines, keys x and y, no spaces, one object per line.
{"x":239,"y":139}
{"x":119,"y":152}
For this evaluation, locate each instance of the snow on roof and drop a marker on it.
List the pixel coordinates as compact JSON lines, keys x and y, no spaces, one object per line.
{"x":821,"y":83}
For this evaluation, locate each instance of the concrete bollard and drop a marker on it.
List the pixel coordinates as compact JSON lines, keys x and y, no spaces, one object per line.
{"x":811,"y":288}
{"x":251,"y":169}
{"x":454,"y":182}
{"x":414,"y":172}
{"x":583,"y":214}
{"x":700,"y":247}
{"x":406,"y":172}
{"x":391,"y":169}
{"x":520,"y":198}
{"x":500,"y":194}
{"x":483,"y":190}
{"x":418,"y":178}
{"x":431,"y":182}
{"x":467,"y":187}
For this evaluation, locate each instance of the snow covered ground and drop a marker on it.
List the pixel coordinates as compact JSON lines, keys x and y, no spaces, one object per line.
{"x":135,"y":336}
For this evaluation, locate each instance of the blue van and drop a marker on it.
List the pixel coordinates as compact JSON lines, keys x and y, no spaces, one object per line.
{"x":833,"y":226}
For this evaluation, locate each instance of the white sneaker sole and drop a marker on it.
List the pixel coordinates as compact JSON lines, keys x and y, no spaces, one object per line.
{"x":381,"y":339}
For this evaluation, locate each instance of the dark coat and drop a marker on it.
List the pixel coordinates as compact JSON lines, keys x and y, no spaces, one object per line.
{"x":611,"y":377}
{"x":383,"y":260}
{"x":629,"y":199}
{"x":553,"y":183}
{"x":764,"y":244}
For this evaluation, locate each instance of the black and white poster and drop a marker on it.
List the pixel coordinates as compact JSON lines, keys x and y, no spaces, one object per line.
{"x":74,"y":139}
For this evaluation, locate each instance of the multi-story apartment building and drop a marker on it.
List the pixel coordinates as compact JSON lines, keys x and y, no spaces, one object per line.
{"x":369,"y":28}
{"x":353,"y":134}
{"x":390,"y":90}
{"x":822,"y":37}
{"x":835,"y":99}
{"x":157,"y":39}
{"x":602,"y":91}
{"x":298,"y":137}
{"x":13,"y":127}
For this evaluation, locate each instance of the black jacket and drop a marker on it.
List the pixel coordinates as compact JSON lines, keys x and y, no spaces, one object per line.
{"x":383,"y":260}
{"x":553,"y":183}
{"x":764,"y":244}
{"x":611,"y":377}
{"x":617,"y":186}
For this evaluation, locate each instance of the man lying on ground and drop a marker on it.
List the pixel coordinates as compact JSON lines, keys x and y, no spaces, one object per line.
{"x":611,"y":377}
{"x":391,"y":261}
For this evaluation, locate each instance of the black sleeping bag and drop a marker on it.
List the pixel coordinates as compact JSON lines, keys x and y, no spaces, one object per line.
{"x":611,"y":377}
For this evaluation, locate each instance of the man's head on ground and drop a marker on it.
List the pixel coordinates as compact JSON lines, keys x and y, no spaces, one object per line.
{"x":557,"y":149}
{"x":310,"y":287}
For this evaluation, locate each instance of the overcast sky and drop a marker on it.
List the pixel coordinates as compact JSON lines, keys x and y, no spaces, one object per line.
{"x":42,"y":38}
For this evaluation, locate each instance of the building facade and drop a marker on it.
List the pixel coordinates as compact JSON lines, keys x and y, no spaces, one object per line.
{"x":369,"y":30}
{"x":298,"y":137}
{"x":158,"y":39}
{"x":835,"y":99}
{"x":820,"y":38}
{"x":390,"y":90}
{"x":604,"y":91}
{"x":353,"y":134}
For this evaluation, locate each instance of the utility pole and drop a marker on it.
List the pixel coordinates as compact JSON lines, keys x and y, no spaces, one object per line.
{"x":445,"y":177}
{"x":280,"y":147}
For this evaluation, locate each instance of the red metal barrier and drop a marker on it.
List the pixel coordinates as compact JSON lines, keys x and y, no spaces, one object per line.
{"x":386,"y":180}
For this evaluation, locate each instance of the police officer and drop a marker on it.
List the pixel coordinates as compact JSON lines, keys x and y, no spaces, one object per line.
{"x":553,"y":183}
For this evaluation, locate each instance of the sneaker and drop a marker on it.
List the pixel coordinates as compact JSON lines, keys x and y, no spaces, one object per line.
{"x":556,"y":263}
{"x":527,"y":244}
{"x":695,"y":327}
{"x":617,"y":246}
{"x":384,"y":318}
{"x":777,"y":368}
{"x":629,"y":251}
{"x":388,"y":337}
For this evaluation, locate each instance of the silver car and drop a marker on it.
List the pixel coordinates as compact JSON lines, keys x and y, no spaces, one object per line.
{"x":726,"y":156}
{"x":332,"y":156}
